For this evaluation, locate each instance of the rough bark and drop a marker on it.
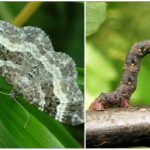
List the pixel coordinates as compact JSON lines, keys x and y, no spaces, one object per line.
{"x":118,"y":127}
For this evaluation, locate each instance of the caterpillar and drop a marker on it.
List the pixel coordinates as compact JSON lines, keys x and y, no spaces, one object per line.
{"x":120,"y":97}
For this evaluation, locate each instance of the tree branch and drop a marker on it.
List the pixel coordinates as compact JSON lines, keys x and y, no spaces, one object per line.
{"x":118,"y":127}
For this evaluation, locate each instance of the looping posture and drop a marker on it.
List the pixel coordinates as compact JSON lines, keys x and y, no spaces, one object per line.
{"x":121,"y":96}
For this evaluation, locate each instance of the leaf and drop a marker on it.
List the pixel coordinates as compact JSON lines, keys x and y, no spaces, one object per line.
{"x":41,"y":130}
{"x":95,"y":15}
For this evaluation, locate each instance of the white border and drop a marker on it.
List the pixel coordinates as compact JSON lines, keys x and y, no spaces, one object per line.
{"x":84,"y":74}
{"x":76,"y":1}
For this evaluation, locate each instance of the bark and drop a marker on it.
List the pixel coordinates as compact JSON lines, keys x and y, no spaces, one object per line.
{"x":118,"y":127}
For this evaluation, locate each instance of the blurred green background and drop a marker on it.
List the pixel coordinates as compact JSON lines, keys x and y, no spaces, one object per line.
{"x":64,"y":23}
{"x":119,"y":26}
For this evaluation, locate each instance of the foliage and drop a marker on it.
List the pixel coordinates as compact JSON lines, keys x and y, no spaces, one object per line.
{"x":125,"y":24}
{"x":95,"y":13}
{"x":64,"y":22}
{"x":94,"y":17}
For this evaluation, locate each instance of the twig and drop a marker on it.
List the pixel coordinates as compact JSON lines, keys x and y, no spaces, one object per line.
{"x":118,"y":127}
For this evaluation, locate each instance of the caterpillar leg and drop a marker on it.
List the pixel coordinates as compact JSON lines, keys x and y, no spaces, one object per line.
{"x":125,"y":103}
{"x":97,"y":105}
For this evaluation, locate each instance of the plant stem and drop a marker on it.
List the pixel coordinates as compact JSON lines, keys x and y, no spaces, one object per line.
{"x":26,"y":13}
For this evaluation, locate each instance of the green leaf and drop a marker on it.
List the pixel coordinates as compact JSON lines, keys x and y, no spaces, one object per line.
{"x":41,"y":130}
{"x":95,"y":15}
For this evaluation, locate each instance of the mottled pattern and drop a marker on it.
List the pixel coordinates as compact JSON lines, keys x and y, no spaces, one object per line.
{"x":45,"y":78}
{"x":121,"y":96}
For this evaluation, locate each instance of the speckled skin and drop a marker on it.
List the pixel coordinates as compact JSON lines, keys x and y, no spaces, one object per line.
{"x":121,"y":96}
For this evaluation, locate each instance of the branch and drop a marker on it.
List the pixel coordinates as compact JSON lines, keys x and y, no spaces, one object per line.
{"x":118,"y":127}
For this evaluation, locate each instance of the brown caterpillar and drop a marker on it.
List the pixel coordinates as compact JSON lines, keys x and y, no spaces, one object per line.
{"x":121,"y":96}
